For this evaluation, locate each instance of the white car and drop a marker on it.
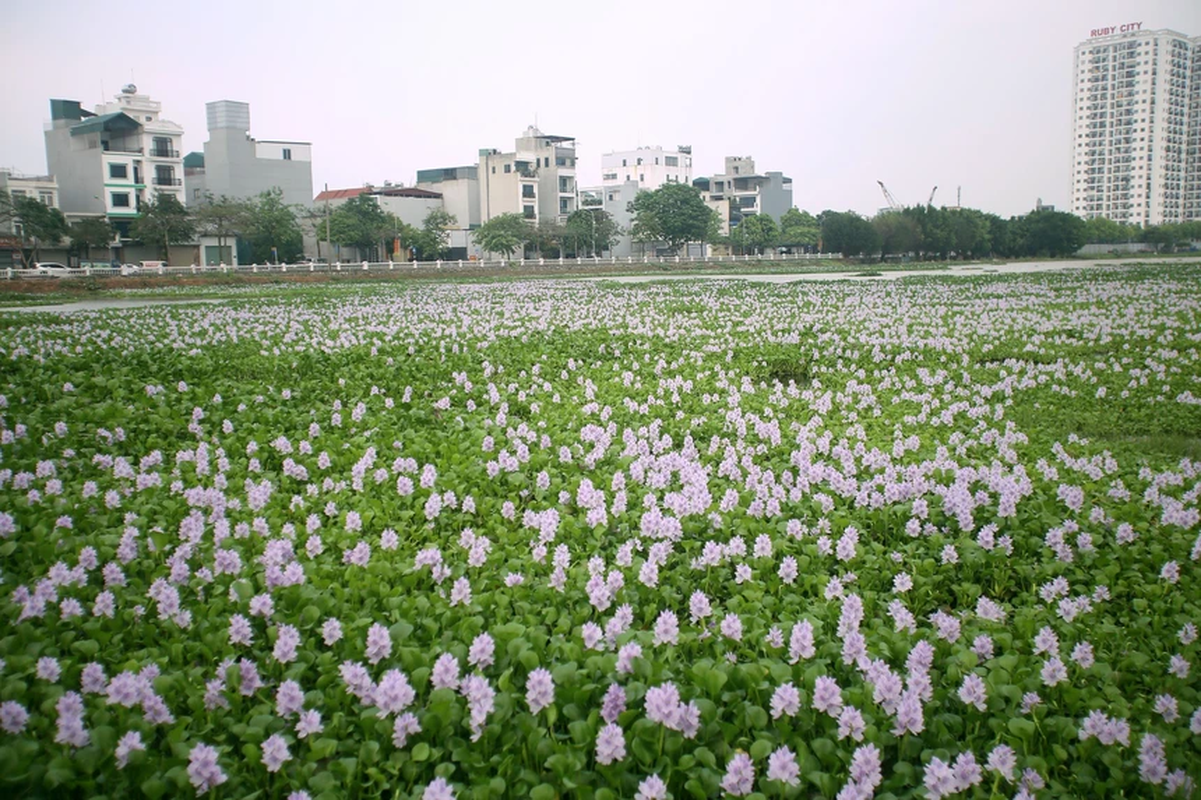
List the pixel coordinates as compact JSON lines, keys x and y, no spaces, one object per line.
{"x":53,"y":269}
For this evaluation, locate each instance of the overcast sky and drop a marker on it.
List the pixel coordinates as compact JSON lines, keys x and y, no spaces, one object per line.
{"x":834,"y":94}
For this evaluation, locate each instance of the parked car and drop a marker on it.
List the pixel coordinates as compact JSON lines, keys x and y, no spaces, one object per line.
{"x":53,"y":269}
{"x":130,"y":269}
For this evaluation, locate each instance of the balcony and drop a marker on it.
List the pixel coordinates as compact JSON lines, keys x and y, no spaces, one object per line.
{"x":117,"y":147}
{"x":163,"y":152}
{"x":167,"y":180}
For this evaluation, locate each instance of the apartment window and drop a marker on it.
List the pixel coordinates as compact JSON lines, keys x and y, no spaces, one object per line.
{"x":610,"y":197}
{"x":120,"y":199}
{"x":161,"y":148}
{"x":287,"y":154}
{"x":508,"y":168}
{"x":735,"y":170}
{"x":196,"y":194}
{"x":671,"y":161}
{"x":641,"y":178}
{"x":47,"y":198}
{"x":610,"y":176}
{"x":563,"y":205}
{"x":623,"y":163}
{"x":639,"y":163}
{"x":17,"y":193}
{"x":528,"y":211}
{"x":656,"y":161}
{"x":527,"y":190}
{"x":118,"y":170}
{"x":559,"y":162}
{"x":494,"y":170}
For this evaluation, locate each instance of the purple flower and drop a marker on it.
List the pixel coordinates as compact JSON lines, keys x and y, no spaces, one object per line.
{"x":48,"y":669}
{"x":739,"y":779}
{"x":438,"y":789}
{"x":275,"y":753}
{"x":827,"y":697}
{"x":800,"y":644}
{"x":539,"y":690}
{"x":203,"y":771}
{"x":662,"y":704}
{"x":610,"y":744}
{"x":331,"y":631}
{"x":785,"y":701}
{"x":405,"y":726}
{"x":614,"y":703}
{"x":626,"y":656}
{"x":393,"y":694}
{"x":1003,"y":761}
{"x":480,"y":697}
{"x":1053,"y":671}
{"x":379,"y":643}
{"x":13,"y":717}
{"x":973,"y":692}
{"x":850,"y":723}
{"x":667,"y":629}
{"x":731,"y":627}
{"x":865,"y":766}
{"x":286,"y":642}
{"x":126,"y":746}
{"x":289,"y":699}
{"x":782,"y":766}
{"x":446,"y":672}
{"x":309,"y":724}
{"x":651,"y":788}
{"x":481,"y":652}
{"x":939,"y":779}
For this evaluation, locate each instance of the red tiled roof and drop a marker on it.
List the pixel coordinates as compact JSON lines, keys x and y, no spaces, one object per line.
{"x":389,"y":191}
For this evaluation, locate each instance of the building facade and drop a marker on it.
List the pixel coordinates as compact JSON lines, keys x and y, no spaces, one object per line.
{"x":236,"y":165}
{"x":649,"y":167}
{"x":110,"y":161}
{"x":1136,"y":126}
{"x":536,"y":180}
{"x":740,"y":191}
{"x":460,"y":190}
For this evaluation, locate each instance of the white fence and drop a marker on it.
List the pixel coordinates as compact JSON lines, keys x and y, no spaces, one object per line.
{"x":424,"y":267}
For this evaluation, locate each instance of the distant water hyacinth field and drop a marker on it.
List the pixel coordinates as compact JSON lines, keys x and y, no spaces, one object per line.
{"x":929,"y":538}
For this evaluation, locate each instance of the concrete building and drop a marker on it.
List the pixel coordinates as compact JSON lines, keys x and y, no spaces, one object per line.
{"x":236,"y":165}
{"x":43,"y":188}
{"x":536,"y":180}
{"x":741,"y":191}
{"x":411,"y":206}
{"x":649,"y":167}
{"x":110,"y":161}
{"x":460,"y":190}
{"x":1136,"y":126}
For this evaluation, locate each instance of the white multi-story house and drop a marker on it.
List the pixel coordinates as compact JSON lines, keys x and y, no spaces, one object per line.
{"x":238,"y":166}
{"x":109,"y":161}
{"x":1136,"y":126}
{"x":740,"y":191}
{"x":649,"y":167}
{"x":536,"y":180}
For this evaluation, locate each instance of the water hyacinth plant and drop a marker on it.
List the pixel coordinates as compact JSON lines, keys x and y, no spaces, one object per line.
{"x":931,"y":538}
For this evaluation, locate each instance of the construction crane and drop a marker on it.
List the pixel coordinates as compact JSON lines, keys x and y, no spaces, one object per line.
{"x":893,"y":205}
{"x":930,"y":202}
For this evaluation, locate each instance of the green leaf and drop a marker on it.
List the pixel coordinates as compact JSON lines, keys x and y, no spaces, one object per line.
{"x":421,"y":752}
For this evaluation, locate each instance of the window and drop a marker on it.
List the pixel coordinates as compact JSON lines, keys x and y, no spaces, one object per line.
{"x":195,"y":194}
{"x":639,"y":163}
{"x":735,"y":170}
{"x":563,"y":205}
{"x":494,"y":170}
{"x":287,"y":154}
{"x":46,"y":198}
{"x":527,"y":190}
{"x":641,"y":178}
{"x":17,"y":193}
{"x":610,"y":196}
{"x":623,"y":163}
{"x":120,"y":199}
{"x":118,"y":170}
{"x":610,"y":176}
{"x":508,"y":168}
{"x":671,"y":161}
{"x":656,"y":161}
{"x":528,"y":211}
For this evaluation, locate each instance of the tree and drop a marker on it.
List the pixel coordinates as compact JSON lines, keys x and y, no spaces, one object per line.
{"x":91,"y":232}
{"x":1053,"y":233}
{"x":592,"y":227}
{"x":1100,"y":230}
{"x":223,"y":217}
{"x":799,"y":229}
{"x":435,"y":234}
{"x":546,"y":238}
{"x":7,"y":211}
{"x":757,"y":232}
{"x":273,"y":228}
{"x":503,"y":234}
{"x":361,"y":223}
{"x":163,"y":222}
{"x":899,"y":233}
{"x":674,"y":213}
{"x":40,"y":223}
{"x":848,"y":233}
{"x":969,"y":232}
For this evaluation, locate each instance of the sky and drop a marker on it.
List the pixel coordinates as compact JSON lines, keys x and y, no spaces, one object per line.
{"x":836,"y":95}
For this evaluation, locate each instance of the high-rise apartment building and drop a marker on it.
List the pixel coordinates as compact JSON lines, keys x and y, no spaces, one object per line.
{"x":536,"y":180}
{"x":1136,"y":126}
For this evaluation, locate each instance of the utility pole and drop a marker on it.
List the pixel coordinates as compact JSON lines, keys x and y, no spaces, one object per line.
{"x":329,"y":252}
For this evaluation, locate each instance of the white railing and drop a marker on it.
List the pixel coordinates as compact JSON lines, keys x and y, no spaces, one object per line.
{"x":428,"y":267}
